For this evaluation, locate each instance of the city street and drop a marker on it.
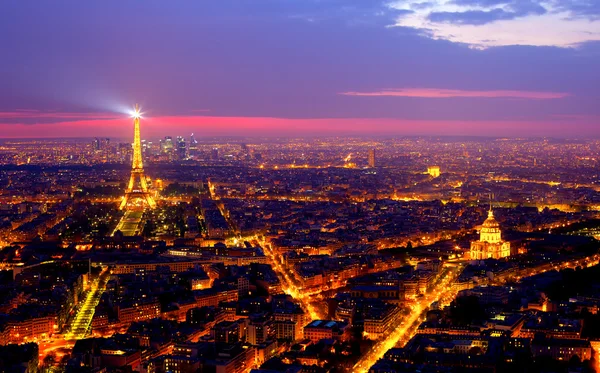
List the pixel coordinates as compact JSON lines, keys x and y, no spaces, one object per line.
{"x":79,"y":327}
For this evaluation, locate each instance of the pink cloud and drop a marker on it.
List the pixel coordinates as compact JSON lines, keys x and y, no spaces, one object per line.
{"x":453,"y":93}
{"x":208,"y":126}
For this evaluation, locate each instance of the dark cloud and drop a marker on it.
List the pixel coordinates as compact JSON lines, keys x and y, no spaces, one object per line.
{"x":481,"y":3}
{"x":580,"y":8}
{"x":516,"y":9}
{"x":577,"y":8}
{"x":423,"y":5}
{"x":471,"y":17}
{"x":524,"y":8}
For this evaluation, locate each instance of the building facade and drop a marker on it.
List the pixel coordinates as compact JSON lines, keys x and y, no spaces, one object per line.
{"x":490,"y":243}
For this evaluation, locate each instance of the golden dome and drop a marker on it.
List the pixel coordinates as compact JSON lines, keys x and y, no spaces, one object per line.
{"x":490,"y":222}
{"x":490,"y":230}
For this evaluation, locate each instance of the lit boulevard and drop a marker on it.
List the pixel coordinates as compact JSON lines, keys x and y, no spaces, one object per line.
{"x":80,"y":326}
{"x":406,"y":327}
{"x":288,"y":284}
{"x":444,"y":295}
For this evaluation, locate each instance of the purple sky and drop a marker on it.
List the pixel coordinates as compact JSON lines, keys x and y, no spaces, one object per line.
{"x":286,"y":67}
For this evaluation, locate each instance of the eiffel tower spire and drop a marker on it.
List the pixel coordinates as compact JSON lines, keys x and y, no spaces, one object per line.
{"x":137,"y":187}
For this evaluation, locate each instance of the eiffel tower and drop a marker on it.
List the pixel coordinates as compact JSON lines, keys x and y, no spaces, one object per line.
{"x":137,"y":190}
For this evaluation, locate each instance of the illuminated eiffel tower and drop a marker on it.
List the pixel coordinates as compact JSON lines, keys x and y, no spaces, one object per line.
{"x":137,"y":189}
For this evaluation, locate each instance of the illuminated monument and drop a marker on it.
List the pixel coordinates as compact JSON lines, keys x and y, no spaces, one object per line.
{"x":490,"y":244}
{"x":137,"y":190}
{"x":434,"y":171}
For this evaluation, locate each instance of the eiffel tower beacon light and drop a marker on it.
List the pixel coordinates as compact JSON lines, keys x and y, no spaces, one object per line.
{"x":137,"y":189}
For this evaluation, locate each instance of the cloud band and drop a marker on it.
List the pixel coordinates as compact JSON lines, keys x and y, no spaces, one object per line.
{"x":456,"y":93}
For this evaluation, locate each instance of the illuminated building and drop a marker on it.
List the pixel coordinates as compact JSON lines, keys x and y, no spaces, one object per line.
{"x":259,"y":331}
{"x":561,"y":349}
{"x":487,"y":295}
{"x":145,"y":146}
{"x":433,"y":171}
{"x":445,"y":329}
{"x":166,"y":145}
{"x":124,"y":151}
{"x":348,"y":161}
{"x":298,"y":319}
{"x":286,"y":329}
{"x":210,"y":357}
{"x":379,"y":322}
{"x":31,"y":329}
{"x":174,"y":266}
{"x":134,"y":312}
{"x":388,"y":293}
{"x":181,"y":148}
{"x":193,"y":145}
{"x":139,"y":191}
{"x":199,"y":283}
{"x":100,"y":144}
{"x":227,"y":332}
{"x":326,"y":329}
{"x":212,"y":296}
{"x":372,"y":158}
{"x":266,"y":351}
{"x":490,"y":244}
{"x":182,"y":364}
{"x":113,"y":357}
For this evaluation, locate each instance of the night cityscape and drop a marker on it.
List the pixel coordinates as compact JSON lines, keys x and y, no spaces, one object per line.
{"x":320,"y":186}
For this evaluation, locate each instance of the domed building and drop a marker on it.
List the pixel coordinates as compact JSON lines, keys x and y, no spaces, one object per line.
{"x":490,"y":244}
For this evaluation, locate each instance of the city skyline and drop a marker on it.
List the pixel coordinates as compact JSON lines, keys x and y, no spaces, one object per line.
{"x":300,"y":186}
{"x":316,"y":68}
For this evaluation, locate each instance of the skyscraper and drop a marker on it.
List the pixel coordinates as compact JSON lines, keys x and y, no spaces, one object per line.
{"x":100,"y":144}
{"x":167,"y":145}
{"x":181,"y":148}
{"x":193,"y":150}
{"x":372,"y":158}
